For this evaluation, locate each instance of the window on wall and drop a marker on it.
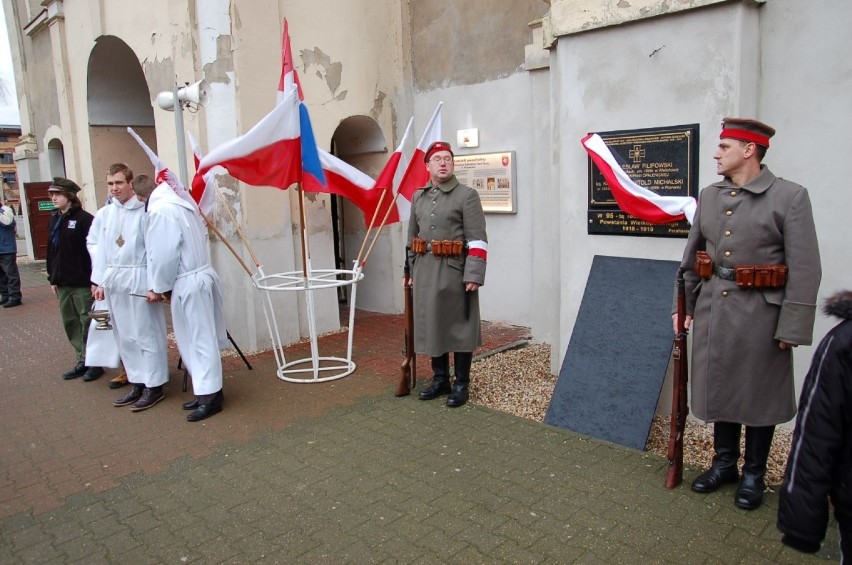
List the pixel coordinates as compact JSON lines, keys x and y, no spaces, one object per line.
{"x":7,"y":159}
{"x":56,"y":158}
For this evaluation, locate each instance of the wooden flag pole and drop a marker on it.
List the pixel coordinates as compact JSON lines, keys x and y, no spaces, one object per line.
{"x":372,"y":223}
{"x":379,"y":231}
{"x":225,"y":241}
{"x":237,"y":226}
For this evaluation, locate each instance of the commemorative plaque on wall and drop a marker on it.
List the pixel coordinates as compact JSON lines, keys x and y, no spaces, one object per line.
{"x":663,"y":160}
{"x":493,"y":177}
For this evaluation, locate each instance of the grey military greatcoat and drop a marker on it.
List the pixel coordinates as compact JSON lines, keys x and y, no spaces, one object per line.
{"x":448,"y":211}
{"x":739,"y":374}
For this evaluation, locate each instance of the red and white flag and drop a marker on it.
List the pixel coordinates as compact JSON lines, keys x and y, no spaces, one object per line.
{"x":162,"y":174}
{"x":416,"y":175}
{"x":289,"y":76}
{"x":636,"y":200}
{"x":269,"y":154}
{"x":345,"y":180}
{"x":203,"y":187}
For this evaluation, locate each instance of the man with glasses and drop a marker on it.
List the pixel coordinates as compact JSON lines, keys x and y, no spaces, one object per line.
{"x":448,"y":250}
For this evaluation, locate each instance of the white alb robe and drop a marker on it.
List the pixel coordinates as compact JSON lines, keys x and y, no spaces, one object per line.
{"x":179,"y":261}
{"x":139,"y":326}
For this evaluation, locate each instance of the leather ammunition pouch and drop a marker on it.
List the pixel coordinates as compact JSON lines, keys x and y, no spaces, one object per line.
{"x":761,"y":276}
{"x":703,"y":265}
{"x":746,"y":276}
{"x":438,"y":248}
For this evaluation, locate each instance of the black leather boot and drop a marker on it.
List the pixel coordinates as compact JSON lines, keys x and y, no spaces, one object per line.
{"x":458,"y":397}
{"x":757,"y":444}
{"x":726,"y":444}
{"x":440,"y":378}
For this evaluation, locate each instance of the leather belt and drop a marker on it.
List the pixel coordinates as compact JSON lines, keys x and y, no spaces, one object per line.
{"x":725,"y":273}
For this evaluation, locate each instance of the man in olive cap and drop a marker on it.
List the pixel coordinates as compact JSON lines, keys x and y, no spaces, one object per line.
{"x":69,"y":270}
{"x":752,"y":298}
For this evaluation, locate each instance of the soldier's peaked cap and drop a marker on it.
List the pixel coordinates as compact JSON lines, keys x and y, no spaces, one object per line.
{"x":747,"y":130}
{"x":60,"y":184}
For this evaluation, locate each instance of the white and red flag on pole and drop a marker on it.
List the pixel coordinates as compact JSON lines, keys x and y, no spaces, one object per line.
{"x":289,"y":76}
{"x":203,"y":188}
{"x":636,"y":200}
{"x":280,"y":150}
{"x":162,"y":174}
{"x":416,"y":175}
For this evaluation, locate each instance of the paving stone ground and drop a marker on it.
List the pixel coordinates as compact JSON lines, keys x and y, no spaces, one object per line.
{"x":338,"y":472}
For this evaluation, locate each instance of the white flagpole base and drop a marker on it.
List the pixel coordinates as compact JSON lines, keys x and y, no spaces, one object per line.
{"x":316,"y":368}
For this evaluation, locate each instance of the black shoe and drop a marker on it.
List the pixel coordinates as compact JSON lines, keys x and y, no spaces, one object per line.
{"x":204,"y":411}
{"x":4,"y":300}
{"x":149,"y":398}
{"x":93,"y":374}
{"x":712,"y":479}
{"x":78,"y":371}
{"x":131,"y":397}
{"x":12,"y":303}
{"x":750,"y":492}
{"x":459,"y":395}
{"x":191,"y":405}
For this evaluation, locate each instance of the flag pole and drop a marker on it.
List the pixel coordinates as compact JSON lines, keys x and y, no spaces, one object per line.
{"x":372,"y":223}
{"x":237,"y":226}
{"x":381,"y":226}
{"x":303,"y":218}
{"x":221,"y":237}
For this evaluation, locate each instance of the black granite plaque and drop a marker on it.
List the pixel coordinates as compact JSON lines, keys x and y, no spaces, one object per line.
{"x":663,"y":160}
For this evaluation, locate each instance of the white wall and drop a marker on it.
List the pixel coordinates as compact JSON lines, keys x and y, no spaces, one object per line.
{"x":500,"y":110}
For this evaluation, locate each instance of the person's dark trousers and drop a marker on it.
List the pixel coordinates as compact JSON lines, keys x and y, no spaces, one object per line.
{"x":726,"y":444}
{"x":440,"y":378}
{"x":757,"y":445}
{"x":214,"y":399}
{"x":10,"y":278}
{"x":459,"y":394}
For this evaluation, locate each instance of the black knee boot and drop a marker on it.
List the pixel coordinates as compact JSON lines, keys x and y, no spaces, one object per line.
{"x":726,"y":444}
{"x":459,"y":395}
{"x":440,"y":378}
{"x":757,"y":444}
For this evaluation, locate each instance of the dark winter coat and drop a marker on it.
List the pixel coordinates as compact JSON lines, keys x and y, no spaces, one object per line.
{"x":448,"y":211}
{"x":820,"y":463}
{"x":68,"y":260}
{"x":738,"y":372}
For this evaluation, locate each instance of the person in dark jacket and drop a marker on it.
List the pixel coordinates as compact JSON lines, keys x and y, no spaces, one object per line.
{"x":69,"y":270}
{"x":10,"y":278}
{"x":819,"y":467}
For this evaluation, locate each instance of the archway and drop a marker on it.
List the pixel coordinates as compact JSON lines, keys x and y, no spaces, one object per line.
{"x":118,"y":97}
{"x":359,"y":141}
{"x":56,"y":158}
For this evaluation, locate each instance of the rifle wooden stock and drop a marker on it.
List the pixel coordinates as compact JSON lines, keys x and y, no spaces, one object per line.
{"x":408,"y":371}
{"x":680,"y":408}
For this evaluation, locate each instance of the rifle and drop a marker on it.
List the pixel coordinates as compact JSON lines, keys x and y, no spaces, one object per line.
{"x":680,"y":408}
{"x":408,"y":376}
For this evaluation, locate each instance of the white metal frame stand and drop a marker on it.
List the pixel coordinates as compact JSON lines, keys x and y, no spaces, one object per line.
{"x":296,"y":281}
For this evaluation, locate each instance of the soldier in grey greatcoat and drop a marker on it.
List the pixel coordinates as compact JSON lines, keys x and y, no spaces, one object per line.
{"x":744,"y":331}
{"x":448,"y":251}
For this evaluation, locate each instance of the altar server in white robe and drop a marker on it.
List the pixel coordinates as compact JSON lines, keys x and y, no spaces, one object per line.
{"x":116,"y":243}
{"x":179,"y":272}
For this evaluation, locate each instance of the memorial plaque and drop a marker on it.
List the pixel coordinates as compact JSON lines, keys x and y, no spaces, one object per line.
{"x":493,"y":177}
{"x":663,"y":160}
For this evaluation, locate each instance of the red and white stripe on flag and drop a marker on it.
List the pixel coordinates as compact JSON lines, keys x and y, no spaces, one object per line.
{"x":416,"y":175}
{"x":636,"y":200}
